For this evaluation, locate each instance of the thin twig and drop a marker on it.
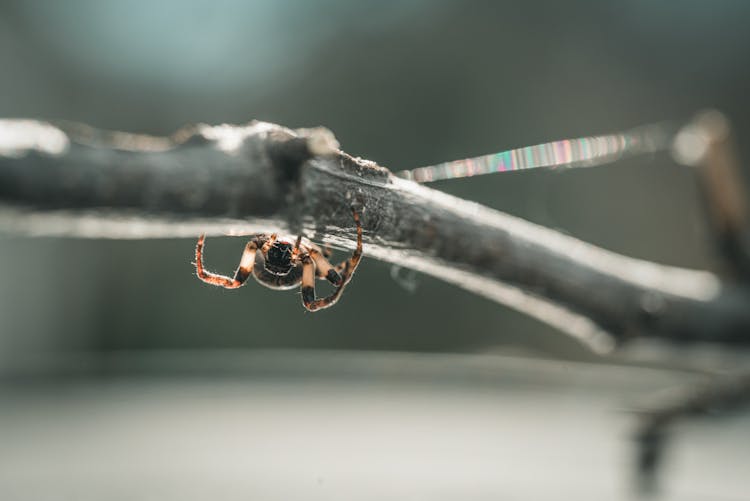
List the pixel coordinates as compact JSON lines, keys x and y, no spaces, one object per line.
{"x":71,"y":180}
{"x":707,"y":144}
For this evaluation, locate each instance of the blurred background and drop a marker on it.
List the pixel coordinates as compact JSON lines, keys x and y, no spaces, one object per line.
{"x":124,"y":377}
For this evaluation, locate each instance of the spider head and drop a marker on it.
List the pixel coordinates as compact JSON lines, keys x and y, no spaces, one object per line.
{"x":279,"y":258}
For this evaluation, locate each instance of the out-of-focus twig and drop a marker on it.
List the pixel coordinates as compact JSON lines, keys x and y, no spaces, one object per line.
{"x":707,"y":144}
{"x":73,"y":180}
{"x":718,"y":394}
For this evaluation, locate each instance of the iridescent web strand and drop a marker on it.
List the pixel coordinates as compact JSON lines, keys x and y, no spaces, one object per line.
{"x":580,"y":152}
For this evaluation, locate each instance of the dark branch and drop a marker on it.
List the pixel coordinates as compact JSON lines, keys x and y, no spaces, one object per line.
{"x":69,"y":180}
{"x":721,"y":393}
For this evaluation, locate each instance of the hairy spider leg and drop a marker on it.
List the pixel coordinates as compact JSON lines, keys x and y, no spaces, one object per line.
{"x":348,"y":268}
{"x":296,"y":249}
{"x":324,"y":269}
{"x":244,"y":270}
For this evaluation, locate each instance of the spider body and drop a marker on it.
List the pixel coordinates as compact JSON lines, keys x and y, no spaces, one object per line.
{"x":278,"y":276}
{"x":279,"y":258}
{"x":279,"y":264}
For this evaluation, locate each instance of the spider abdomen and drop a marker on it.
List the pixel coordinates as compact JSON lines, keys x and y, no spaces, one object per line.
{"x":290,"y":280}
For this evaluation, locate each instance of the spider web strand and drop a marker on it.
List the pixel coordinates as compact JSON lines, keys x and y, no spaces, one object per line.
{"x":580,"y":152}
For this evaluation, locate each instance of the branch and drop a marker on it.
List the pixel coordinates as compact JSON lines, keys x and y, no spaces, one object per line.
{"x":72,"y":180}
{"x":706,"y":143}
{"x":721,"y":393}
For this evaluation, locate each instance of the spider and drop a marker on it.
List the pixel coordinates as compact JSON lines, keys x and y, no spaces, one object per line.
{"x":283,"y":265}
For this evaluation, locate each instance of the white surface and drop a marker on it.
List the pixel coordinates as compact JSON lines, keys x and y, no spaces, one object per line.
{"x":390,"y":431}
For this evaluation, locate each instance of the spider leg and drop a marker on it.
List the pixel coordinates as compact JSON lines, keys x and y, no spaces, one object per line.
{"x":268,"y":243}
{"x":244,"y":270}
{"x":324,"y":269}
{"x":348,"y":267}
{"x":296,"y":251}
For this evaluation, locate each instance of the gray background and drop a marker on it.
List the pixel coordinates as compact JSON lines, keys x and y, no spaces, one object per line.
{"x":406,"y":84}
